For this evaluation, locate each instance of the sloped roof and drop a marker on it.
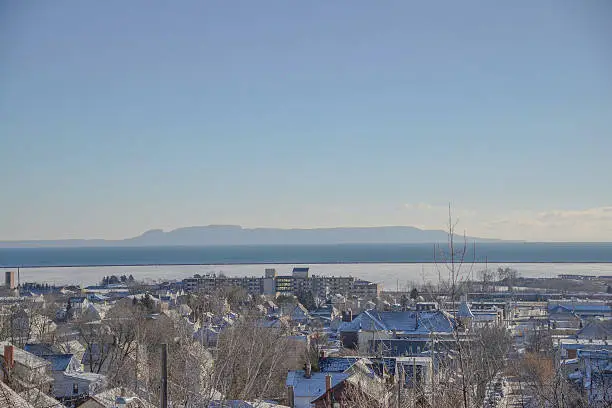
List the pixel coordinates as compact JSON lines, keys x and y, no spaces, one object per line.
{"x":579,"y":307}
{"x":25,"y":358}
{"x":341,"y":364}
{"x":59,"y":362}
{"x":336,"y":364}
{"x":39,"y":399}
{"x":596,"y":329}
{"x":464,"y":311}
{"x":107,"y":399}
{"x":86,"y":376}
{"x":9,"y":398}
{"x":314,"y":386}
{"x":98,"y":297}
{"x":39,"y":349}
{"x":301,"y":307}
{"x":559,"y":309}
{"x":598,"y":308}
{"x":401,"y":321}
{"x":437,"y":321}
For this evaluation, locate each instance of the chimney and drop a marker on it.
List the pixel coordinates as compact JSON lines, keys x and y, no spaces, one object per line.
{"x":347,"y":316}
{"x":290,"y":396}
{"x":9,"y":356}
{"x":307,"y":370}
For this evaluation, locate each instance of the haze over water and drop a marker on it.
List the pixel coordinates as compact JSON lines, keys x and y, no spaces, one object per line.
{"x":390,"y":275}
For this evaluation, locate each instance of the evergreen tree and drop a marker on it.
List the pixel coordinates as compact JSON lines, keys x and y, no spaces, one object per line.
{"x":307,"y":299}
{"x":414,"y":294}
{"x":404,"y":302}
{"x":147,"y":302}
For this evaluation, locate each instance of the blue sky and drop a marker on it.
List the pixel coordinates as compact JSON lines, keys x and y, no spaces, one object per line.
{"x":117,"y":117}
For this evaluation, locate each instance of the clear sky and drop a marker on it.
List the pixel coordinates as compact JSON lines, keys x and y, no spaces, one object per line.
{"x":121,"y":116}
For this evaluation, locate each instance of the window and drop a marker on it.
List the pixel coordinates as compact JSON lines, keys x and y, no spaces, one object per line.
{"x":75,"y":388}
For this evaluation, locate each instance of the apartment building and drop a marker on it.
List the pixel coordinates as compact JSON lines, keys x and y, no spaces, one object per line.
{"x":299,"y":281}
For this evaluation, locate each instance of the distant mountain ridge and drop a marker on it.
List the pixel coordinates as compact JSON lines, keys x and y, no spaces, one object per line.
{"x":236,"y":235}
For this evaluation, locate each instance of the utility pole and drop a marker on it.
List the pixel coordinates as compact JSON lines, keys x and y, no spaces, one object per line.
{"x":414,"y":382}
{"x":433,"y":369}
{"x":399,"y":389}
{"x":164,"y":376}
{"x":137,"y":359}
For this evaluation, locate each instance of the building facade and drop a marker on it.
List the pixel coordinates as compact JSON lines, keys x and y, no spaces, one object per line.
{"x":299,"y":281}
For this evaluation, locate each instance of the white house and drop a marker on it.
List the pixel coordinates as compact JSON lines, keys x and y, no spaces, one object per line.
{"x":305,"y":386}
{"x":77,"y":383}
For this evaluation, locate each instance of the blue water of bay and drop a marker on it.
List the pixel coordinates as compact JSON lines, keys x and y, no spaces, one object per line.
{"x":392,"y":265}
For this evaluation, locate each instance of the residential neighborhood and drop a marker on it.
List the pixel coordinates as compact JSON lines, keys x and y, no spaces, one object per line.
{"x":311,"y":342}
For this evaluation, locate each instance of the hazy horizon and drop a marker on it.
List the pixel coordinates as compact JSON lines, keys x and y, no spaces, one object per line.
{"x":441,"y":237}
{"x":121,"y":117}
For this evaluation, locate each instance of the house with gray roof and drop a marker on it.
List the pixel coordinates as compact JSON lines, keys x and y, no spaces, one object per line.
{"x":304,"y":387}
{"x":27,"y":370}
{"x":581,"y":308}
{"x":371,"y":326}
{"x":597,"y":328}
{"x":69,"y":381}
{"x":299,"y":314}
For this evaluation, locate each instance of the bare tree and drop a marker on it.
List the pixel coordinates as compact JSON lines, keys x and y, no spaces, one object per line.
{"x":508,"y":276}
{"x":19,"y":322}
{"x":251,"y":361}
{"x":468,"y":360}
{"x":452,"y":263}
{"x":487,"y":277}
{"x":543,"y":385}
{"x":42,"y":315}
{"x":96,"y":338}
